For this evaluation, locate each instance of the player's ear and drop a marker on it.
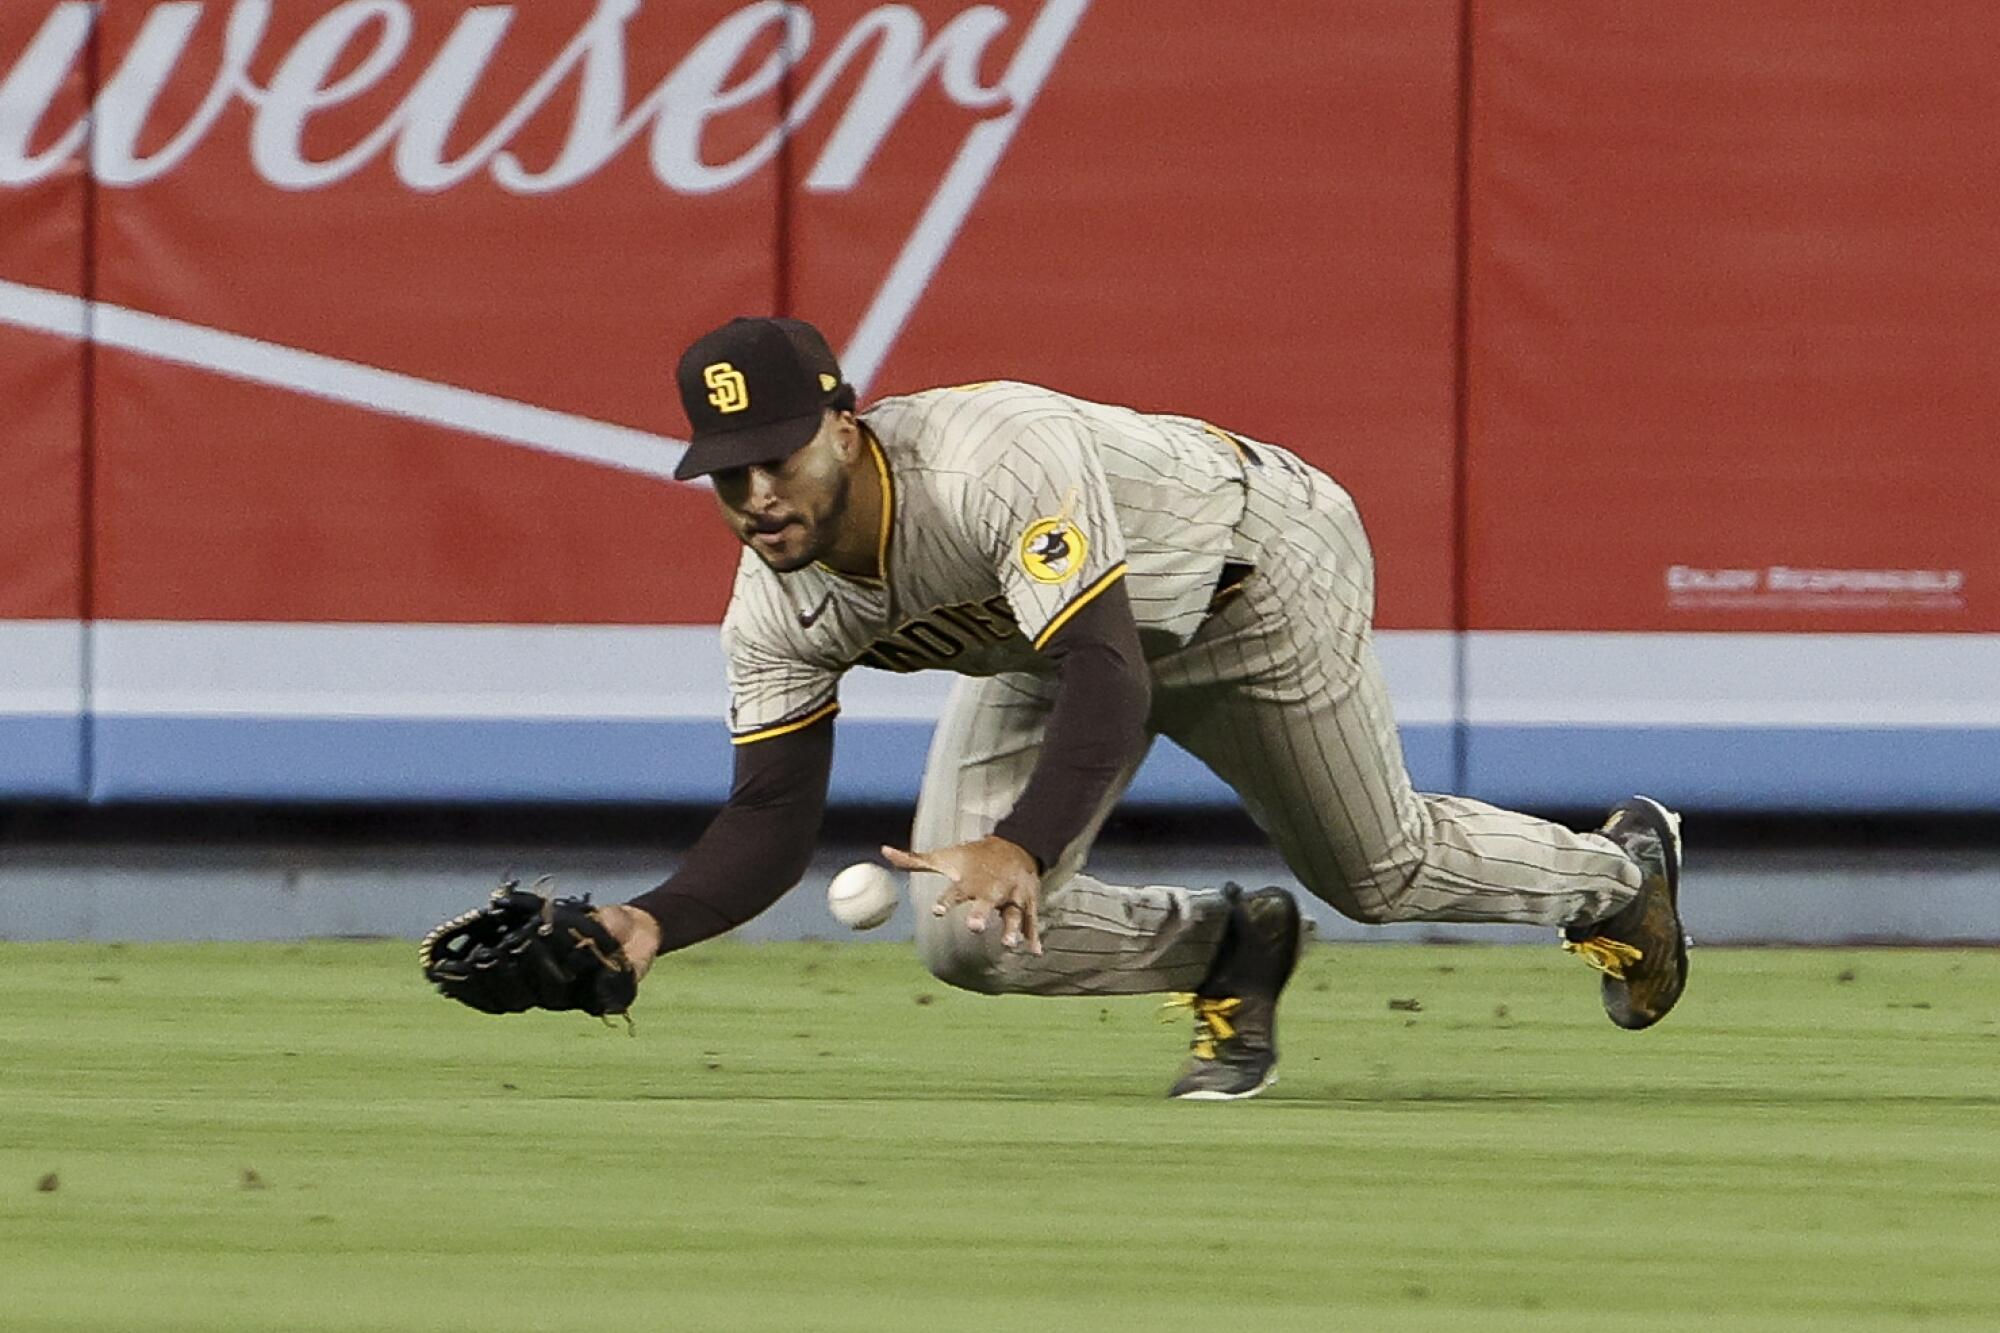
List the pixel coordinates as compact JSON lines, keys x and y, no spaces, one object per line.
{"x":846,"y":435}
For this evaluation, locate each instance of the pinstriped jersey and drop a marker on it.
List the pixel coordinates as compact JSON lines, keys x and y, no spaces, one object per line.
{"x":1007,"y":508}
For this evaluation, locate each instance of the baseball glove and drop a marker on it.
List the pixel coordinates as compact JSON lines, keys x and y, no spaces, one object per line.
{"x":524,"y":951}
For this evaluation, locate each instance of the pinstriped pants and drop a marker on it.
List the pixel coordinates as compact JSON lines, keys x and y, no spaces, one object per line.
{"x":1279,"y":693}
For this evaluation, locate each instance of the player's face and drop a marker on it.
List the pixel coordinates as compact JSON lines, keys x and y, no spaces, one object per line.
{"x":789,"y":512}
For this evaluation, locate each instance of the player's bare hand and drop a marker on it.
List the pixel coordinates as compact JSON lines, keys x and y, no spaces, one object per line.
{"x":996,"y":876}
{"x":637,"y":932}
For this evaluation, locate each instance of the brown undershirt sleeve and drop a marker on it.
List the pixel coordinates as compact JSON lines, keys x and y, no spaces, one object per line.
{"x":1097,"y":725}
{"x":758,"y":844}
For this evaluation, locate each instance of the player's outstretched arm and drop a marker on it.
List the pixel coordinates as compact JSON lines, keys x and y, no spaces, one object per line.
{"x":524,"y":951}
{"x":754,"y":850}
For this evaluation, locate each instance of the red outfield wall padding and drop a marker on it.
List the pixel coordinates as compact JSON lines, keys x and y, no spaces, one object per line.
{"x":540,"y":204}
{"x":43,"y":197}
{"x":1245,"y":215}
{"x":42,"y":200}
{"x":512,"y":209}
{"x":1734,"y":304}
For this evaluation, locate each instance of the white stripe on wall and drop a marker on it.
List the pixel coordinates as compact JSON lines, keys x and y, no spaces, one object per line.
{"x":212,"y":669}
{"x":1419,"y":666}
{"x":636,"y":672}
{"x":1734,"y":680}
{"x":41,"y":667}
{"x":209,"y":669}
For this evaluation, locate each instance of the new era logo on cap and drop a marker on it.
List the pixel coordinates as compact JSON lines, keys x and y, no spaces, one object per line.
{"x":754,"y":391}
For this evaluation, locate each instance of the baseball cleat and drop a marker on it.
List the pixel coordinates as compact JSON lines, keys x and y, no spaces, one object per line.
{"x":1235,"y":1049}
{"x":1640,"y":949}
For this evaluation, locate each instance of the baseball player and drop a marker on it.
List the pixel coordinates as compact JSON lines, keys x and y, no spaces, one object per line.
{"x":1097,"y":577}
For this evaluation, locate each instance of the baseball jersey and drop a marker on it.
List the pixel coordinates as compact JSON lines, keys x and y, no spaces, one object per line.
{"x":1007,"y":508}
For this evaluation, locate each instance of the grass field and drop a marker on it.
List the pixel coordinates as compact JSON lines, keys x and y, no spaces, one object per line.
{"x":822,"y":1137}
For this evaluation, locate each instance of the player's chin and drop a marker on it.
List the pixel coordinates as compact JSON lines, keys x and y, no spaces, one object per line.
{"x":787,"y":556}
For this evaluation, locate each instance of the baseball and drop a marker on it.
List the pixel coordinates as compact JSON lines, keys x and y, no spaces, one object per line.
{"x":862,"y":896}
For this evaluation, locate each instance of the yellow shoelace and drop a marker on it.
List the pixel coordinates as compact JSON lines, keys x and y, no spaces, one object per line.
{"x":1211,"y":1020}
{"x":1607,"y":955}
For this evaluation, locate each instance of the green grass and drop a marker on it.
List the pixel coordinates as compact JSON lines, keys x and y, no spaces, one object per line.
{"x":822,"y":1137}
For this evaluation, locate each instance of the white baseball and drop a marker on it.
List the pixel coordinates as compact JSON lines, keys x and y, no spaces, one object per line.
{"x":863,"y":896}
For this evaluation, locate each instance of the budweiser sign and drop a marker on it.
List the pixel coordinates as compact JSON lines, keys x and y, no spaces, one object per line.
{"x":423,"y":93}
{"x":357,"y":45}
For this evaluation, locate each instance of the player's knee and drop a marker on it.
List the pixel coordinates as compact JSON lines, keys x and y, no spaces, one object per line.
{"x":1384,"y":893}
{"x":1375,"y":908}
{"x":956,"y":956}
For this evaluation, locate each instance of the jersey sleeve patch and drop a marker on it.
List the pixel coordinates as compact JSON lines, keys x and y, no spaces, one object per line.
{"x":1041,"y":510}
{"x":1054,"y":549}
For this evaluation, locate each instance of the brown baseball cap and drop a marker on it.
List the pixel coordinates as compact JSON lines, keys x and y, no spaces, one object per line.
{"x":755,"y":391}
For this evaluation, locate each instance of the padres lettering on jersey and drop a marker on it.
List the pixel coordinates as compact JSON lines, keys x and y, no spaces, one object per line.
{"x":931,"y":641}
{"x":1010,"y":508}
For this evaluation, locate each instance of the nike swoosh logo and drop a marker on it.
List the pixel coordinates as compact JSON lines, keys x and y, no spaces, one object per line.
{"x":807,"y":619}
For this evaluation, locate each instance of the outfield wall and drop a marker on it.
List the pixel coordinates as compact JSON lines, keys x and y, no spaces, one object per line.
{"x":336,"y":423}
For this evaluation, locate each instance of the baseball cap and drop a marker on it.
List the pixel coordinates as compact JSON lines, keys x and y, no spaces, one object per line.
{"x":754,"y":391}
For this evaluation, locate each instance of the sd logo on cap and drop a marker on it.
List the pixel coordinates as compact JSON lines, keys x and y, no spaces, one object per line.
{"x":754,"y":391}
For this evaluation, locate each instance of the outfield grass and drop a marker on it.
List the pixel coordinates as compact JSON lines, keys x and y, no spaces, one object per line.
{"x":822,"y":1137}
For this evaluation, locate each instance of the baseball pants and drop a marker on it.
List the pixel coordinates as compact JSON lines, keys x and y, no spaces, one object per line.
{"x":1280,"y":694}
